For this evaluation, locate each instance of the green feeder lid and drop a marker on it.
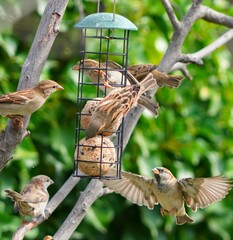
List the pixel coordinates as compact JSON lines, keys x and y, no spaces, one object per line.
{"x":107,"y":21}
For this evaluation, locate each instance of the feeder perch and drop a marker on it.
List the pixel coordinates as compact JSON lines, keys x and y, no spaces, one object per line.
{"x":104,"y":38}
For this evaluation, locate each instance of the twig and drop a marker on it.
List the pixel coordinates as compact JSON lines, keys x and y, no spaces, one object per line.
{"x":226,"y":37}
{"x":213,"y":16}
{"x":171,"y":14}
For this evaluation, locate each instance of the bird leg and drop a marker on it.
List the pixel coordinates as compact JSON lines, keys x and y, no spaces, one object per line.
{"x":17,"y":121}
{"x":172,"y":212}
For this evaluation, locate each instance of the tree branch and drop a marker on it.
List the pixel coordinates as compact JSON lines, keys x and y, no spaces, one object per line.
{"x":213,"y":16}
{"x":93,"y":191}
{"x":31,"y":71}
{"x":171,"y":14}
{"x":226,"y":37}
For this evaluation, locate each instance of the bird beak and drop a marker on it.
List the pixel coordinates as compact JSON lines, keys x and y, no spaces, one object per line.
{"x":51,"y":182}
{"x":76,"y":67}
{"x":59,"y":88}
{"x":155,"y":171}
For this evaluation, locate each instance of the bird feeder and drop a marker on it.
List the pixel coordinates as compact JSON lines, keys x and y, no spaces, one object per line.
{"x":104,"y":38}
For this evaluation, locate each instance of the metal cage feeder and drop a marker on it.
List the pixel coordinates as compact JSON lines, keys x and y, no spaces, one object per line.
{"x":109,"y":33}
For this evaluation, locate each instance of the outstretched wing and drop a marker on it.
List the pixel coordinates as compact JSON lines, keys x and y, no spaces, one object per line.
{"x":200,"y":192}
{"x":137,"y":189}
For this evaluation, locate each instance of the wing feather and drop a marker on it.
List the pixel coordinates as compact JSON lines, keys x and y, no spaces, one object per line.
{"x":201,"y":192}
{"x":135,"y":188}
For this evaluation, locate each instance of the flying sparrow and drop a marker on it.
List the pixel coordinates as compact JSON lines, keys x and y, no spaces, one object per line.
{"x":169,"y":192}
{"x":108,"y":115}
{"x":33,"y":198}
{"x":25,"y":102}
{"x":98,"y":73}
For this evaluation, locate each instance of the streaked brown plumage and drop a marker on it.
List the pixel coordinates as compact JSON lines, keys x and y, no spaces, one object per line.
{"x":169,"y":192}
{"x":32,"y":200}
{"x":115,"y":105}
{"x":27,"y":101}
{"x":96,"y":72}
{"x":139,"y":71}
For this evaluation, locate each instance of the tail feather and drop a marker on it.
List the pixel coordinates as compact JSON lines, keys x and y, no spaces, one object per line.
{"x":147,"y":84}
{"x":150,"y":104}
{"x":16,"y":197}
{"x":183,"y":219}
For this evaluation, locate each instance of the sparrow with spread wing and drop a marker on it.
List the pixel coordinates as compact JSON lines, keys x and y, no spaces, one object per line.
{"x":27,"y":101}
{"x":108,"y":114}
{"x":32,"y":200}
{"x":96,"y":72}
{"x":170,"y":192}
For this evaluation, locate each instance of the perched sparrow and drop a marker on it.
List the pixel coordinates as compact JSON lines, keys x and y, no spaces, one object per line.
{"x":139,"y":71}
{"x":96,"y":72}
{"x":25,"y":102}
{"x":115,"y":105}
{"x":169,"y":192}
{"x":33,"y":198}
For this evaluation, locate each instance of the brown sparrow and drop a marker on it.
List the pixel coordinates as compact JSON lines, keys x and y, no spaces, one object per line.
{"x":115,"y":105}
{"x":33,"y":198}
{"x":139,"y":71}
{"x":97,"y":73}
{"x":169,"y":192}
{"x":27,"y":101}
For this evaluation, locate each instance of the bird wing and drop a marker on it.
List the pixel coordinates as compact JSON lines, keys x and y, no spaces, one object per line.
{"x":140,"y":71}
{"x":34,"y":194}
{"x":200,"y":192}
{"x":118,"y":67}
{"x":137,"y":189}
{"x":20,"y":97}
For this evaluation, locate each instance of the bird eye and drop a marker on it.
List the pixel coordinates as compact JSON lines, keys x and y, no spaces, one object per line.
{"x":54,"y":87}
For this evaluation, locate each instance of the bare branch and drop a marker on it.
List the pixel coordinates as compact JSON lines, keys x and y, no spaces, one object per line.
{"x":92,"y":192}
{"x":213,"y":16}
{"x":189,"y":58}
{"x":226,"y":37}
{"x":171,"y":14}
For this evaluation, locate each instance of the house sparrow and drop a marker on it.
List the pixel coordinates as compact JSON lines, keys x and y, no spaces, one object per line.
{"x":108,"y":115}
{"x":97,"y":73}
{"x":27,"y":101}
{"x":169,"y":192}
{"x":33,"y":198}
{"x":139,"y":71}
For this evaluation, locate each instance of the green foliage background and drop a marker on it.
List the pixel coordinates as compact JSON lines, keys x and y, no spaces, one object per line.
{"x":192,"y":135}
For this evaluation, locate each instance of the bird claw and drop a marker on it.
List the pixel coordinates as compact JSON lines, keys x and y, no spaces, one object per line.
{"x":17,"y":121}
{"x":172,"y":212}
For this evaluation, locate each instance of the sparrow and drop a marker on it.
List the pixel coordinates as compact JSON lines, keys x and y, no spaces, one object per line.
{"x":111,"y":109}
{"x":32,"y":200}
{"x":97,"y":73}
{"x":27,"y":101}
{"x":139,"y":71}
{"x":170,"y":192}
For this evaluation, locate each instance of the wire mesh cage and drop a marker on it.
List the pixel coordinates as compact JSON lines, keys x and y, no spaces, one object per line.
{"x":105,"y":41}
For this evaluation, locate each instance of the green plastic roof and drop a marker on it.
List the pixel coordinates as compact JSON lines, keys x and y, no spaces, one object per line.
{"x":105,"y":20}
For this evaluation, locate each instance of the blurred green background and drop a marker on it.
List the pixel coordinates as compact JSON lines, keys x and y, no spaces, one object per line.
{"x":192,"y":135}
